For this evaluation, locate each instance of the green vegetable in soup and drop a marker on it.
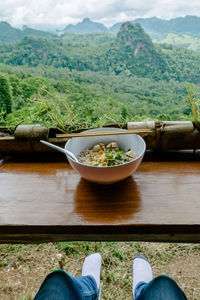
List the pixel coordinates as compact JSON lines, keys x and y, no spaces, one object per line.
{"x":106,"y":155}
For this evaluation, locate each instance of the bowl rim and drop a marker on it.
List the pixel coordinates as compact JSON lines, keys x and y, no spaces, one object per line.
{"x":103,"y":167}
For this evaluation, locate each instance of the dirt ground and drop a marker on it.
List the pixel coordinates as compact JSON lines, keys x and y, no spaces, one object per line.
{"x":24,"y":267}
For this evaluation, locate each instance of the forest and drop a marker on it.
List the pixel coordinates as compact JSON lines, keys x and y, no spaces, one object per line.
{"x":95,"y":79}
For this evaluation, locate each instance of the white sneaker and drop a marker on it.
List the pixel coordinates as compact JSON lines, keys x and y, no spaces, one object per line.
{"x":141,"y":271}
{"x":92,"y":266}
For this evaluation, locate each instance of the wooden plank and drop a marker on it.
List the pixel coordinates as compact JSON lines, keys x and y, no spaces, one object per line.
{"x":48,"y":201}
{"x":38,"y":234}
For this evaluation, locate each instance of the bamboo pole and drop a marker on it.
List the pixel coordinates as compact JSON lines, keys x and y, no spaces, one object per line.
{"x":159,"y":136}
{"x":169,"y":135}
{"x":7,"y":138}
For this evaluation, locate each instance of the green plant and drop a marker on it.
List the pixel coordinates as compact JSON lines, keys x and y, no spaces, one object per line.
{"x":194,"y":100}
{"x":56,"y":109}
{"x":5,"y":95}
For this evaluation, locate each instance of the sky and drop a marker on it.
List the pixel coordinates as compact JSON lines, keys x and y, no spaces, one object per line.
{"x":59,"y":13}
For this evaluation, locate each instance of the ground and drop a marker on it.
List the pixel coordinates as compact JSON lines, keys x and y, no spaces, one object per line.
{"x":23,"y":267}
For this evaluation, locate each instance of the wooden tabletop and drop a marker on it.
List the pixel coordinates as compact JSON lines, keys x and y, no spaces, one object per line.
{"x":44,"y":200}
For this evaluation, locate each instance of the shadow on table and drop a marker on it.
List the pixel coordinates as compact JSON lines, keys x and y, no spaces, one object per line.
{"x":107,"y":203}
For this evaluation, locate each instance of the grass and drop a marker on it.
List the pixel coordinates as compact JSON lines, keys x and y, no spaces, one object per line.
{"x":193,"y":97}
{"x":24,"y":267}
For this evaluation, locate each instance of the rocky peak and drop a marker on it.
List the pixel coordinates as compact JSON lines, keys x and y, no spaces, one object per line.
{"x":134,"y":36}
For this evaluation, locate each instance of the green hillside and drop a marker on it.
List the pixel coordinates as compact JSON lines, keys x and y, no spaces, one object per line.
{"x":100,"y":78}
{"x":191,"y":42}
{"x":130,"y":52}
{"x":10,"y":34}
{"x":93,"y":98}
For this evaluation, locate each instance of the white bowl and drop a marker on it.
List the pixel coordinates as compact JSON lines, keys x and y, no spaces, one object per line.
{"x":111,"y":174}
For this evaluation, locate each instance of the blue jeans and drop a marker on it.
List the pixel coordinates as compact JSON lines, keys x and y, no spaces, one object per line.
{"x":160,"y":288}
{"x":61,"y":286}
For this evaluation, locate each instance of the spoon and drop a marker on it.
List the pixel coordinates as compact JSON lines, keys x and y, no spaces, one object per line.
{"x":66,"y":152}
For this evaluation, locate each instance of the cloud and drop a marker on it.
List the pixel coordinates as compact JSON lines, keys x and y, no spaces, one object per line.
{"x":59,"y":13}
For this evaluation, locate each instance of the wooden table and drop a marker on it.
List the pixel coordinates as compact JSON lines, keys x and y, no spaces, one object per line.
{"x":43,"y":200}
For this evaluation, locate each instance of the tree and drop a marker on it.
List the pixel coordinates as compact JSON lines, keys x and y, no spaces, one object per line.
{"x":5,"y":95}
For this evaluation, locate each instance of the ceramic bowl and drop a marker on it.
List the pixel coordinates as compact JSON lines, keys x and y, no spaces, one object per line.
{"x":111,"y":174}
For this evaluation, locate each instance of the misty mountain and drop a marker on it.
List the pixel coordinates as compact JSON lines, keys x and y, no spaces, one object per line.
{"x":86,"y":26}
{"x":187,"y":24}
{"x":183,"y":31}
{"x":10,"y":34}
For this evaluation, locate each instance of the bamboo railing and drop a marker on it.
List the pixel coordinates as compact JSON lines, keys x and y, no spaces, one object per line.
{"x":163,"y":136}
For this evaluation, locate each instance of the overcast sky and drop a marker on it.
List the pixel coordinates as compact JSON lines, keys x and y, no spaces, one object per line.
{"x":59,"y":13}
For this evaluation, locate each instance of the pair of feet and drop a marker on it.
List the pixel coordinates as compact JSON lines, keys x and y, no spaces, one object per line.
{"x":141,"y":269}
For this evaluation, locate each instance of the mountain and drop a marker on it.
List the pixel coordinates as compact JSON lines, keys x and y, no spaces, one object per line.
{"x":10,"y":34}
{"x":187,"y":24}
{"x":134,"y":36}
{"x":86,"y":26}
{"x":115,"y":28}
{"x":131,"y":52}
{"x":154,"y":24}
{"x":183,"y":31}
{"x":136,"y":53}
{"x":27,"y":31}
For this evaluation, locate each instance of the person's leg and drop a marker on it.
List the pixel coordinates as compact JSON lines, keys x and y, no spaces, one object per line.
{"x":159,"y":288}
{"x":61,"y":286}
